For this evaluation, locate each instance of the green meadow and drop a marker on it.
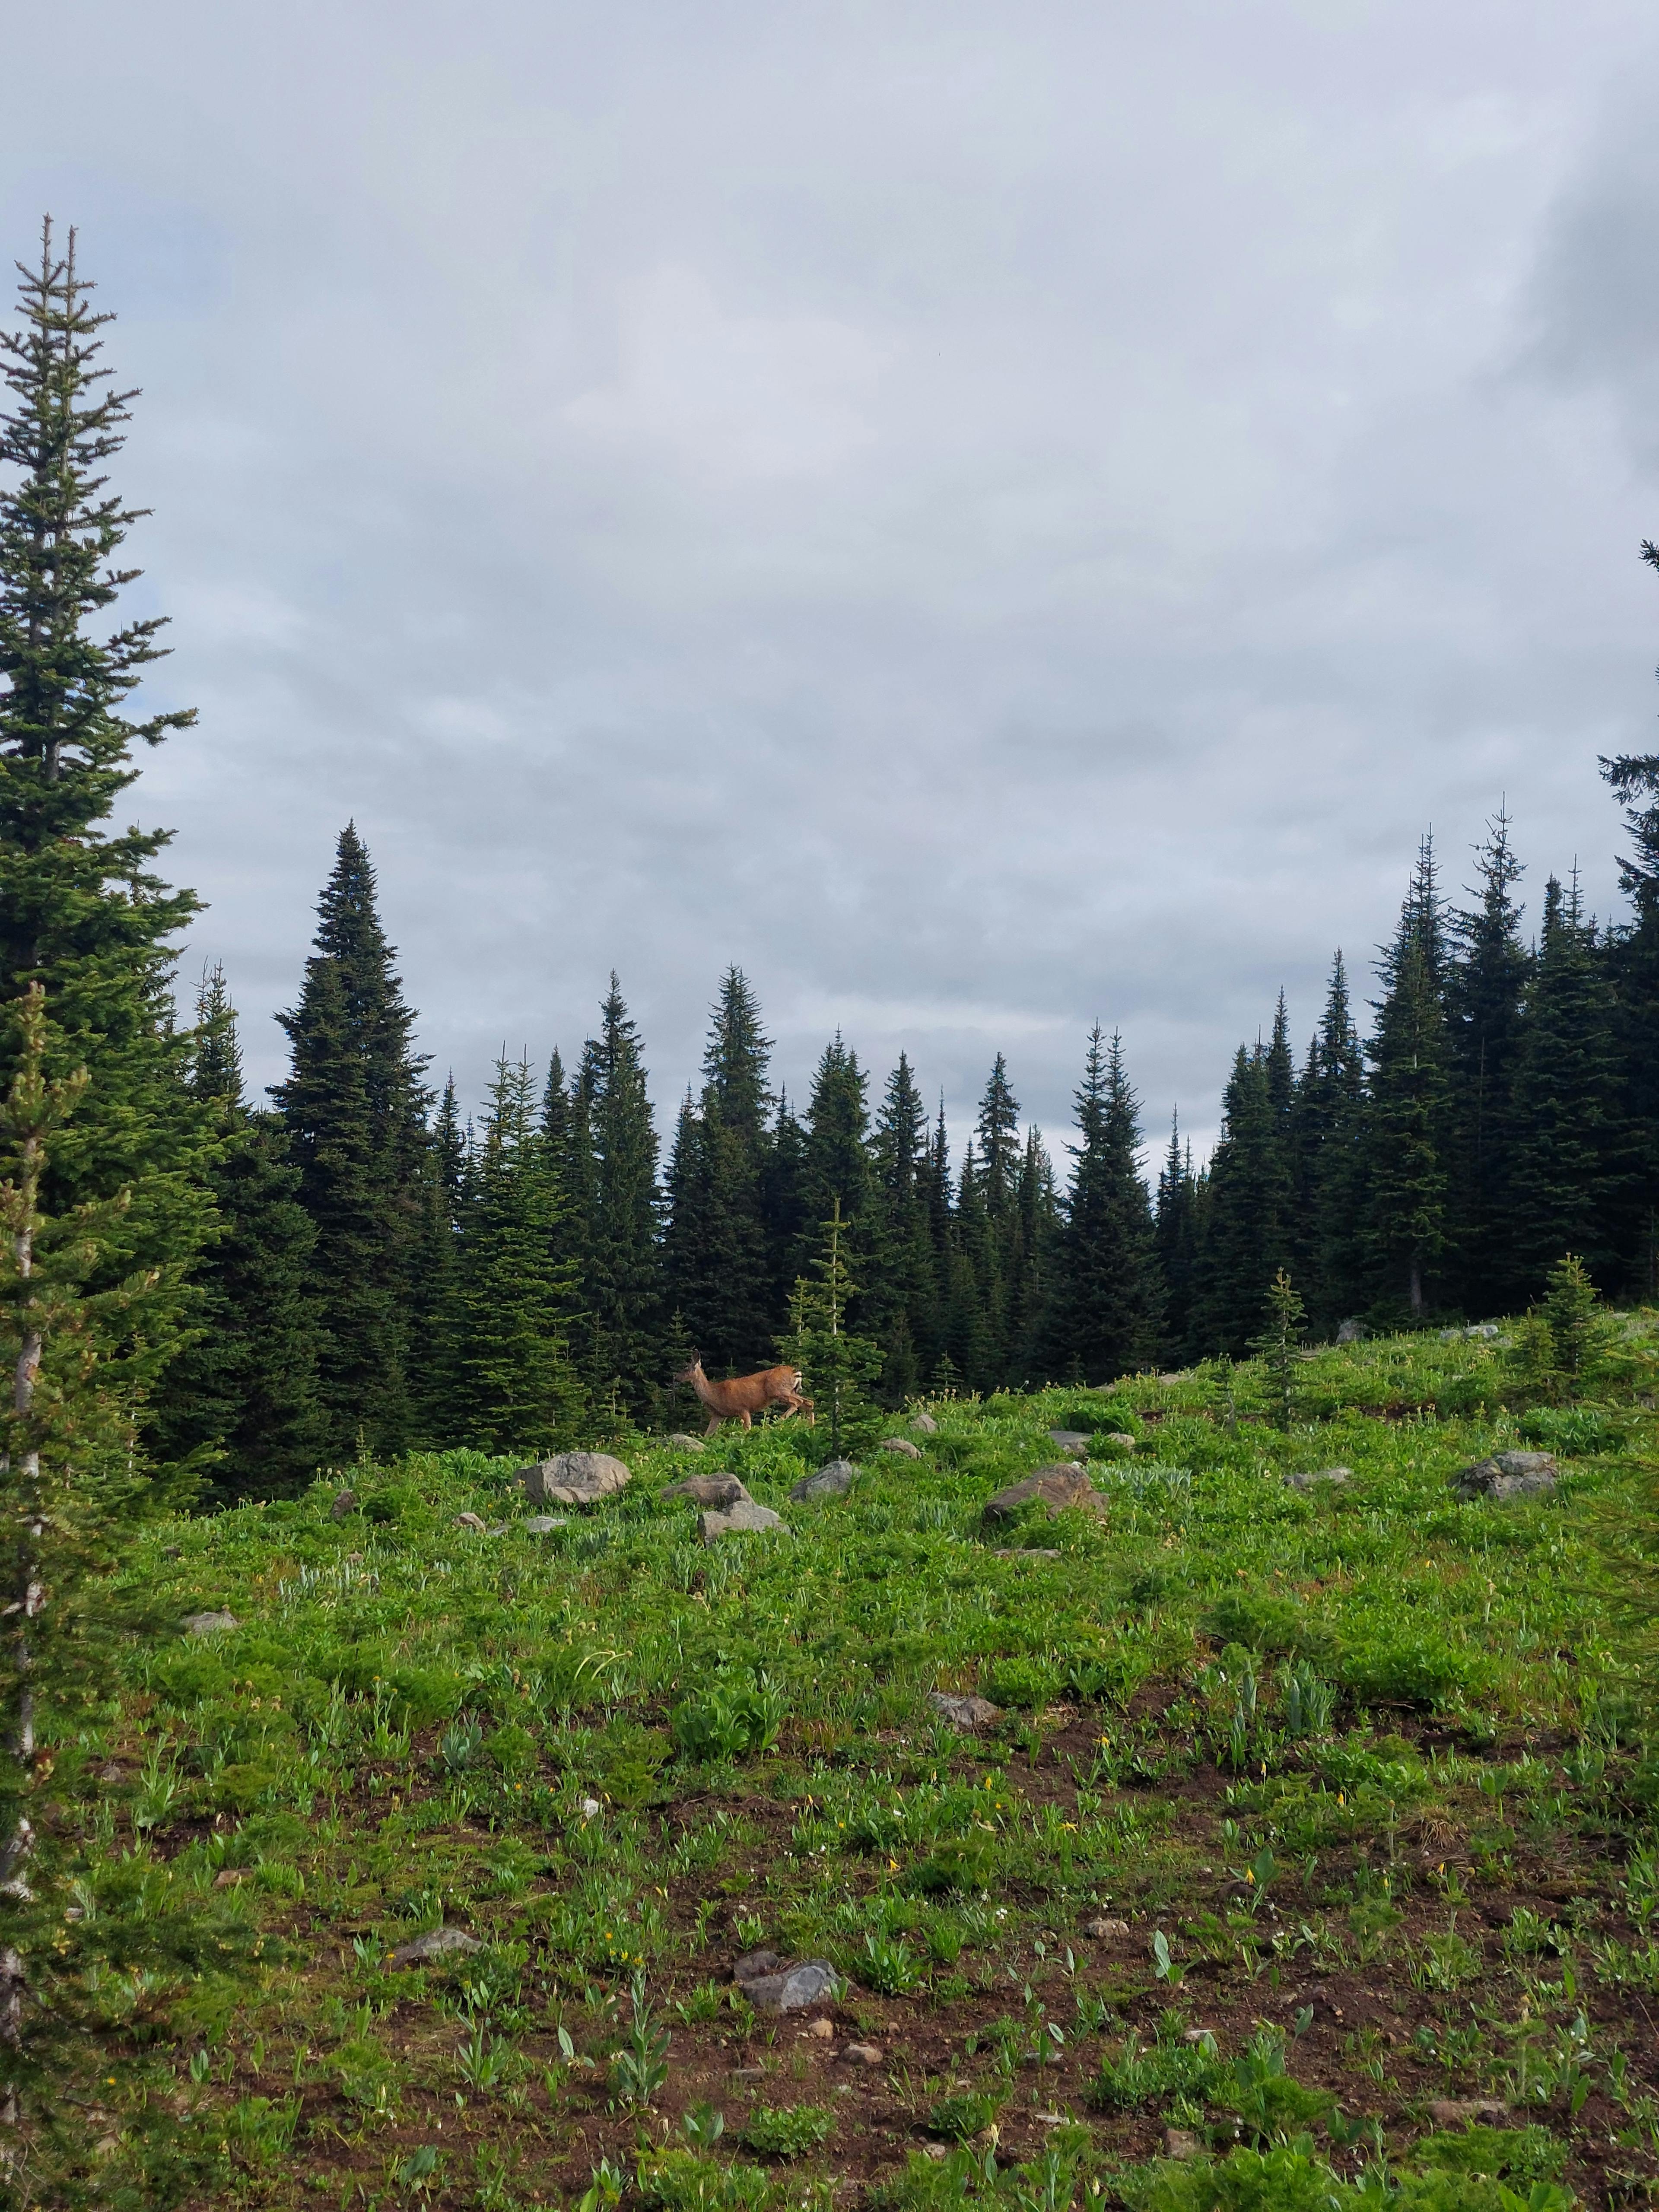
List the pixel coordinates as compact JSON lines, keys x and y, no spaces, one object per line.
{"x":1309,"y":1859}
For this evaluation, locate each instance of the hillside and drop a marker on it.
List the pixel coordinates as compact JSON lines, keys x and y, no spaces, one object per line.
{"x":1306,"y":1810}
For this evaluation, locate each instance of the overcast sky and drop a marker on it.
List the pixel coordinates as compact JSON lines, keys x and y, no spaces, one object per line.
{"x":990,"y":516}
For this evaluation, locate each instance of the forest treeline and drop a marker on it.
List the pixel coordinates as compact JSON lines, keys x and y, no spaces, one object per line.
{"x":358,"y":1264}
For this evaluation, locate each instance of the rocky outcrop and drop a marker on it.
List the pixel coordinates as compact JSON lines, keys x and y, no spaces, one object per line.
{"x":1508,"y":1474}
{"x":902,"y":1446}
{"x":770,"y":1986}
{"x":1325,"y":1477}
{"x":834,"y":1480}
{"x":743,"y":1519}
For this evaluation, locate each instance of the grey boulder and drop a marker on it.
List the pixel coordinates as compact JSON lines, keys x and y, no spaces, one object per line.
{"x":743,"y":1519}
{"x":834,"y":1480}
{"x":969,"y":1714}
{"x":680,"y":1442}
{"x":1352,"y":1331}
{"x":776,"y":1988}
{"x":924,"y":1424}
{"x":437,"y":1943}
{"x":577,"y":1478}
{"x":1071,"y":1443}
{"x":210,"y":1624}
{"x":901,"y":1445}
{"x":543,"y":1524}
{"x":345,"y":1501}
{"x":1508,"y":1474}
{"x":708,"y":1489}
{"x":1056,"y":1487}
{"x":1335,"y":1476}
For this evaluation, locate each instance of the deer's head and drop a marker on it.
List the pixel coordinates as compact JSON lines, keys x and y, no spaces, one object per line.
{"x":690,"y":1374}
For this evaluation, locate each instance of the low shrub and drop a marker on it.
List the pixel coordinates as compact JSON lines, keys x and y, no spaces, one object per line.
{"x":787,"y":2130}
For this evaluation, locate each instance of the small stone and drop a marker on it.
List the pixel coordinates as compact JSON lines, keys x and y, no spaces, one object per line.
{"x":1196,"y":2035}
{"x":210,"y":1624}
{"x":708,"y":1489}
{"x":230,"y":1878}
{"x":1352,"y":1331}
{"x":1025,"y":1551}
{"x":1056,"y":1487}
{"x":1182,"y":2144}
{"x":1458,"y":2111}
{"x":543,"y":1524}
{"x":110,"y":1773}
{"x":754,"y":1964}
{"x":1122,"y":1437}
{"x":1336,"y":1476}
{"x":924,"y":1424}
{"x":345,"y":1501}
{"x":1483,"y":1332}
{"x":937,"y":2150}
{"x":745,"y":1518}
{"x":437,"y":1943}
{"x":793,"y":1988}
{"x":834,"y":1480}
{"x":591,"y":1809}
{"x":1508,"y":1474}
{"x":901,"y":1445}
{"x":1104,"y":1927}
{"x":821,"y":2031}
{"x":472,"y":1520}
{"x":1072,"y":1444}
{"x":576,"y":1478}
{"x":680,"y":1442}
{"x":747,"y":2073}
{"x":862,"y":2054}
{"x":968,"y":1714}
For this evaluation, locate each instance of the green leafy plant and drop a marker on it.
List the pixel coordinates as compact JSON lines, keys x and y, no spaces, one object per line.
{"x":639,"y":2066}
{"x":787,"y":2130}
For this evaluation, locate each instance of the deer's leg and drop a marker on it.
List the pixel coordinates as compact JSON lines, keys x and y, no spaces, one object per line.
{"x":744,"y":1417}
{"x":713,"y":1423}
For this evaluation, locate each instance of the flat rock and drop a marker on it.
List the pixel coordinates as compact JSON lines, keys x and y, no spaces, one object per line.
{"x":1182,"y":2144}
{"x":708,"y":1489}
{"x":209,"y":1623}
{"x":1099,"y":1930}
{"x":1056,"y":1487}
{"x":1025,"y":1552}
{"x":968,"y":1714}
{"x":792,"y":1988}
{"x":743,"y":1519}
{"x":437,"y":1943}
{"x":345,"y":1501}
{"x":1458,"y":2111}
{"x":1508,"y":1474}
{"x":834,"y":1480}
{"x":1122,"y":1437}
{"x":472,"y":1520}
{"x":680,"y":1442}
{"x":576,"y":1478}
{"x":901,"y":1445}
{"x":1336,"y":1476}
{"x":1071,"y":1442}
{"x":754,"y":1964}
{"x":820,"y":2030}
{"x":543,"y":1524}
{"x":924,"y":1424}
{"x":862,"y":2054}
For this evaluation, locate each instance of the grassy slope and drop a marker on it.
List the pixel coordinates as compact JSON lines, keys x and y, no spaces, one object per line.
{"x":1356,"y":1755}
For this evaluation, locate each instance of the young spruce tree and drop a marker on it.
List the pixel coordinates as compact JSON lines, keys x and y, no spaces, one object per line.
{"x":1105,"y":1312}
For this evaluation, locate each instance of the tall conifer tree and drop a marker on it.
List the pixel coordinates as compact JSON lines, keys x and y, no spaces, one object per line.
{"x":354,"y":1108}
{"x":1105,"y":1318}
{"x":1329,"y":1251}
{"x":242,"y":1396}
{"x":81,"y":911}
{"x":904,"y":1313}
{"x":1566,"y":1114}
{"x":1487,"y":997}
{"x":1177,"y":1227}
{"x":622,"y":1286}
{"x":836,"y":1164}
{"x":1408,"y":1152}
{"x":1247,"y":1229}
{"x":1633,"y":955}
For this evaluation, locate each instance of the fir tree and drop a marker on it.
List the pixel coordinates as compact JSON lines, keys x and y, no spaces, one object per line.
{"x":1562,"y":1178}
{"x":81,"y":911}
{"x":973,"y":1330}
{"x":1487,"y":998}
{"x":1030,"y":1276}
{"x":1330,"y":1161}
{"x":520,"y":1392}
{"x":241,"y":1399}
{"x":1246,"y":1229}
{"x":1409,"y":1135}
{"x":1105,"y":1318}
{"x":354,"y":1110}
{"x":904,"y":1312}
{"x":720,"y":1273}
{"x":622,"y":1279}
{"x":836,"y":1165}
{"x":1176,"y":1240}
{"x":1633,"y":963}
{"x":838,"y":1364}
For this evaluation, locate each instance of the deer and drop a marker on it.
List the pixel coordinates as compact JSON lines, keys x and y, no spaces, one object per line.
{"x":747,"y":1394}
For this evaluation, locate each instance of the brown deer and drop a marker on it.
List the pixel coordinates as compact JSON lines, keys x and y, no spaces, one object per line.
{"x":746,"y":1394}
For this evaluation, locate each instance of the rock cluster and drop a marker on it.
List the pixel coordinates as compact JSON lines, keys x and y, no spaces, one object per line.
{"x":969,"y":1715}
{"x":1508,"y":1474}
{"x":770,"y":1986}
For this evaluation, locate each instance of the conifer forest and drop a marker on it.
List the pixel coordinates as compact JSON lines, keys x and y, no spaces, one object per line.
{"x":1175,"y":1729}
